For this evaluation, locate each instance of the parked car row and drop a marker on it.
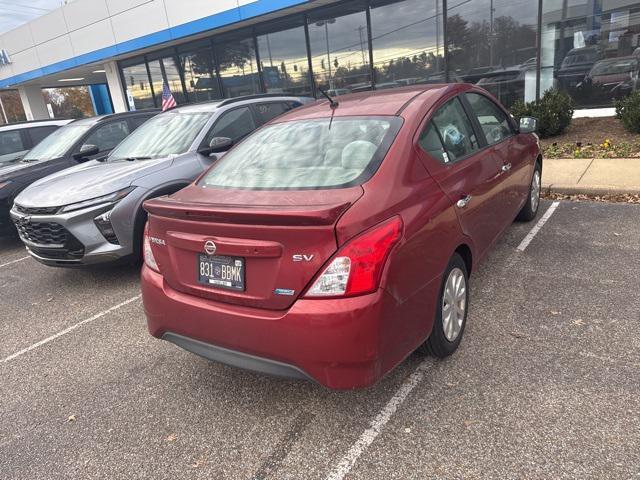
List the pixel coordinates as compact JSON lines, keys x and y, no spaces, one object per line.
{"x":90,"y":212}
{"x":328,"y":244}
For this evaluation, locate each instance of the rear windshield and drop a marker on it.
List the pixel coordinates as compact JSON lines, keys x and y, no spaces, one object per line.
{"x":307,"y":154}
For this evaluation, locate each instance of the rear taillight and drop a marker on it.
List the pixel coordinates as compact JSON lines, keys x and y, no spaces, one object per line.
{"x":357,"y":267}
{"x":149,"y":259}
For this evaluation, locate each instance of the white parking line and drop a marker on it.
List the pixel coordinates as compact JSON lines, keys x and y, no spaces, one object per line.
{"x":527,"y":240}
{"x":14,"y":261}
{"x":69,"y":329}
{"x":369,"y":435}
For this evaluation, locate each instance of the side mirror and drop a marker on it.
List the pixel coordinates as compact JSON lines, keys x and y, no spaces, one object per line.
{"x":87,"y":150}
{"x":220,"y":144}
{"x":216,"y":145}
{"x":528,"y":125}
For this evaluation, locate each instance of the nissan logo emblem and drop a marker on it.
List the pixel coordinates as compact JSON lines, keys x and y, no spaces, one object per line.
{"x":210,"y":247}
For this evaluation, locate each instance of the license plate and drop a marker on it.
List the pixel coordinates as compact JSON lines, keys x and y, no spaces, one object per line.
{"x":220,"y":271}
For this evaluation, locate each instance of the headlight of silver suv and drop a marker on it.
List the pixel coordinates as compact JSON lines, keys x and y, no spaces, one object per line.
{"x":105,"y":200}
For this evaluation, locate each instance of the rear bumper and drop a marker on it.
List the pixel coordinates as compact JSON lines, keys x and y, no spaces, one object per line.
{"x":338,"y":343}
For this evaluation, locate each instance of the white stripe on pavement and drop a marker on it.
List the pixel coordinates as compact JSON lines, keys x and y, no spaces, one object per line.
{"x":69,"y":329}
{"x":14,"y":261}
{"x":527,"y":240}
{"x":369,"y":435}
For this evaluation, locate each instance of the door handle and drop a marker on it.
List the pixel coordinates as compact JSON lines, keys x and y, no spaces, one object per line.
{"x":464,"y":201}
{"x":506,"y":167}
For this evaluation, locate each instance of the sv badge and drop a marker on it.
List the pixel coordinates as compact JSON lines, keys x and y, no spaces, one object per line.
{"x":303,"y":258}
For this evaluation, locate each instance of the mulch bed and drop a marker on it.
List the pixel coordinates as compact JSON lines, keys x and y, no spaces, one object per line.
{"x":593,"y":138}
{"x":610,"y":198}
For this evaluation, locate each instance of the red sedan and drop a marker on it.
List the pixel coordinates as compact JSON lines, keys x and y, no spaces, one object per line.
{"x":338,"y":239}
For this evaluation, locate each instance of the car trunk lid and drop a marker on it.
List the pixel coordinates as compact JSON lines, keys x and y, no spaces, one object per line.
{"x":283,"y":237}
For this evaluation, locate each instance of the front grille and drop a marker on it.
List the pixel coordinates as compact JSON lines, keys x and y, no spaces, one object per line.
{"x":75,"y":251}
{"x":37,"y":210}
{"x":43,"y":233}
{"x":49,"y":240}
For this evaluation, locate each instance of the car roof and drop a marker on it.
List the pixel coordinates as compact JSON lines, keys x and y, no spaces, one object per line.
{"x":34,"y":124}
{"x":111,"y":116}
{"x":213,"y":105}
{"x":372,"y":103}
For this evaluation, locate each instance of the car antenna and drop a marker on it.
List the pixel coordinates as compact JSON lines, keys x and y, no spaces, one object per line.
{"x":332,"y":103}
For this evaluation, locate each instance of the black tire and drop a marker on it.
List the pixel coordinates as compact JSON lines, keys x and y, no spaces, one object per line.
{"x":438,"y":344}
{"x":530,"y":209}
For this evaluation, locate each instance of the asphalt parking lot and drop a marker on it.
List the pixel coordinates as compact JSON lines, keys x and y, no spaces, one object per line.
{"x":545,"y":385}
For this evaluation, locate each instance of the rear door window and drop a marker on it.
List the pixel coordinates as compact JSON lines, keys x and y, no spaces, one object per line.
{"x":456,"y":130}
{"x":40,"y":133}
{"x":431,"y":143}
{"x":234,"y":124}
{"x":494,"y":122}
{"x":268,"y":111}
{"x":106,"y":137}
{"x":11,"y":142}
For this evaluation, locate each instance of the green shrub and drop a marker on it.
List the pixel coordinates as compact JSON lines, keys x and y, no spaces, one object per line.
{"x":628,"y":111}
{"x":554,"y":112}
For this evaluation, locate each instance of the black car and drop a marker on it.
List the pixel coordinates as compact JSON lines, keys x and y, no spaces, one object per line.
{"x":77,"y":142}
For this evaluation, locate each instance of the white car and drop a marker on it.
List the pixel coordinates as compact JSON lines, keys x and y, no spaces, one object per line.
{"x":16,"y":139}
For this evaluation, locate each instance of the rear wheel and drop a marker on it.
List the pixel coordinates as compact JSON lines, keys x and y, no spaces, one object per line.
{"x":451,"y":311}
{"x":530,"y":209}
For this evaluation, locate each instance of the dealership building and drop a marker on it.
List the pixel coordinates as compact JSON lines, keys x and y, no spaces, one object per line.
{"x":124,"y":51}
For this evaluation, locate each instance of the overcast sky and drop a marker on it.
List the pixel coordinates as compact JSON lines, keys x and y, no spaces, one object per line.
{"x":17,"y":12}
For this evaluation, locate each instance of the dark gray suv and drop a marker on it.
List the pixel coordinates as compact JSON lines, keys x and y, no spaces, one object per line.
{"x":92,"y":213}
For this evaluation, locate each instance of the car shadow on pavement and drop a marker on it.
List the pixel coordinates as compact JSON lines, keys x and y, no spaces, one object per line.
{"x":9,"y":241}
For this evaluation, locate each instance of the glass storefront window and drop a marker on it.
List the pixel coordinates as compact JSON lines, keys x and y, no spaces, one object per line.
{"x":172,"y":74}
{"x":591,"y":49}
{"x":200,"y":75}
{"x":166,"y":68}
{"x":155,"y":70}
{"x":69,"y":102}
{"x":238,"y":67}
{"x":137,"y":85}
{"x":339,"y":49}
{"x":11,"y":107}
{"x":407,"y":42}
{"x":283,"y":58}
{"x":492,"y":43}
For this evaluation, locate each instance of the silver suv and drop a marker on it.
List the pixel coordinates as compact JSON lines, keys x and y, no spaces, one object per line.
{"x":92,"y":213}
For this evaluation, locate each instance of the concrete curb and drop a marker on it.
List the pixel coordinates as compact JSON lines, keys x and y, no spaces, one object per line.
{"x":590,"y":189}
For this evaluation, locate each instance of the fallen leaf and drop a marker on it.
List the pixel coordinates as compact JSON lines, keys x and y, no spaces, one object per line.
{"x":171,"y":438}
{"x":72,"y":418}
{"x":616,"y":234}
{"x":554,"y":313}
{"x":517,"y":334}
{"x":579,"y":321}
{"x":451,"y":385}
{"x":407,"y":430}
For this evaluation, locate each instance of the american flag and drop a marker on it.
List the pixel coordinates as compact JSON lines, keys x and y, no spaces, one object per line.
{"x":167,"y":98}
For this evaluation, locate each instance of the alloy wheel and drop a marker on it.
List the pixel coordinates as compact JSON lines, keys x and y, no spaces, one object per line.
{"x":454,"y":304}
{"x":535,"y":191}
